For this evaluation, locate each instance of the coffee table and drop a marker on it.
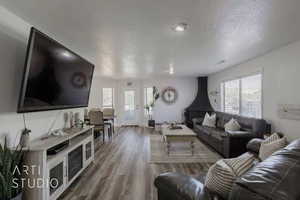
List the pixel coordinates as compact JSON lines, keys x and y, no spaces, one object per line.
{"x":178,"y":135}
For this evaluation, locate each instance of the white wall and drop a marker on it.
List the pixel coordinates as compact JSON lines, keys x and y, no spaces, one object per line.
{"x":96,"y":90}
{"x":186,"y":88}
{"x":14,"y":33}
{"x":281,"y":72}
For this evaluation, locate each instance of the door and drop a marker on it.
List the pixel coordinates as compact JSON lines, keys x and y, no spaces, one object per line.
{"x":130,"y":107}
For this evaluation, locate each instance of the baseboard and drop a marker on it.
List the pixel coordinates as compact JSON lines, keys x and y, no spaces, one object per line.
{"x":133,"y":126}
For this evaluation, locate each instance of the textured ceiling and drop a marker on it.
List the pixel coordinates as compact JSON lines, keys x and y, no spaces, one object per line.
{"x":133,"y":38}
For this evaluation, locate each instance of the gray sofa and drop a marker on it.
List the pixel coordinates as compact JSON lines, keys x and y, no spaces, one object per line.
{"x":231,"y":144}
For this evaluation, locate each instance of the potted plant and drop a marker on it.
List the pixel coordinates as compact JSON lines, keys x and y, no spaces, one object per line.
{"x":10,"y":178}
{"x":149,"y":107}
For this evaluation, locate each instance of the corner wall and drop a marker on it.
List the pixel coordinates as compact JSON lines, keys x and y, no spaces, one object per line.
{"x":187,"y":90}
{"x":281,"y":81}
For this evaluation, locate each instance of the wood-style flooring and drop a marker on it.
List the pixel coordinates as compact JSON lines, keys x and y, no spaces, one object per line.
{"x":121,"y":170}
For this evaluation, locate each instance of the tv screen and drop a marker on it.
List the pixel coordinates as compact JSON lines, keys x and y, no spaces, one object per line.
{"x":54,"y":76}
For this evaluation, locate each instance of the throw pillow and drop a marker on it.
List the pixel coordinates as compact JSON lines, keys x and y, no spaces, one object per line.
{"x":232,"y":125}
{"x":222,"y":175}
{"x":271,"y":138}
{"x":271,"y":145}
{"x":210,"y":120}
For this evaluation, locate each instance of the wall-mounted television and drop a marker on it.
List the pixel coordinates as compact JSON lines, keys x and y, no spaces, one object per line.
{"x":54,"y":76}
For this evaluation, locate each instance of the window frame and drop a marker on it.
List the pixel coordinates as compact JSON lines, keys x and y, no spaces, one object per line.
{"x":222,"y":89}
{"x":113,"y":94}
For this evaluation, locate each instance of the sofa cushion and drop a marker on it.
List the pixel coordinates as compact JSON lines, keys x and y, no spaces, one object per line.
{"x":198,"y":120}
{"x":256,"y":126}
{"x":245,"y":123}
{"x":275,"y":178}
{"x":217,"y":133}
{"x":220,"y":122}
{"x":204,"y":129}
{"x":175,"y":186}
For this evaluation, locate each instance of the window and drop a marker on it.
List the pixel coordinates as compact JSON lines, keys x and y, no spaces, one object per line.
{"x":107,"y":97}
{"x":148,"y":97}
{"x":232,"y":97}
{"x":251,"y":96}
{"x":243,"y":96}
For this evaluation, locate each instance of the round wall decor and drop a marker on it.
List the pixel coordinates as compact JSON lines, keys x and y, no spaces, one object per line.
{"x":169,"y":95}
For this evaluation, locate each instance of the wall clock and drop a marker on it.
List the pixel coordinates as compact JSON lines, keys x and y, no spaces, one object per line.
{"x":169,"y":95}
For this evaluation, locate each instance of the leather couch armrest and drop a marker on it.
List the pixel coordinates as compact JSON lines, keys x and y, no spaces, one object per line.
{"x":259,"y":128}
{"x":254,"y":145}
{"x":176,"y":186}
{"x":240,"y":134}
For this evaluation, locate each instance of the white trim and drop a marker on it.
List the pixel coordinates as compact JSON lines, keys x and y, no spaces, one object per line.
{"x":262,"y":92}
{"x":240,"y":96}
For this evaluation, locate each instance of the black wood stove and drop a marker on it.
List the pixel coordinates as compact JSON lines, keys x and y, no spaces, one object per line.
{"x":200,"y":105}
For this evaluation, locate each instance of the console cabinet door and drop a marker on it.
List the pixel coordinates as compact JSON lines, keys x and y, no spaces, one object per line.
{"x":75,"y":162}
{"x":57,"y":174}
{"x":88,"y":152}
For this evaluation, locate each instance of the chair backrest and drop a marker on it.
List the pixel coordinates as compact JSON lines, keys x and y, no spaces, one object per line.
{"x":95,"y":109}
{"x":86,"y":113}
{"x":96,"y":117}
{"x":108,"y":111}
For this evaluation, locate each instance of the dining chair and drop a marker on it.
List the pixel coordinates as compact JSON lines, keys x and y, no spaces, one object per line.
{"x":96,"y":119}
{"x":109,"y":116}
{"x":86,"y":117}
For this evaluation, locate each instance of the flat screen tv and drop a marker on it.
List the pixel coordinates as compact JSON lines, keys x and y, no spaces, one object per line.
{"x":54,"y":76}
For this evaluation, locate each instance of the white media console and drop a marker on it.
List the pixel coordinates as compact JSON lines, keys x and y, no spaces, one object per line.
{"x":49,"y":174}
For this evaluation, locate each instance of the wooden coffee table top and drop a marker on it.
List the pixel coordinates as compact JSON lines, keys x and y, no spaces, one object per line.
{"x":185,"y":131}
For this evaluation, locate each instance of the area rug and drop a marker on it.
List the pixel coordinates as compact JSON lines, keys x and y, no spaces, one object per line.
{"x":180,"y":152}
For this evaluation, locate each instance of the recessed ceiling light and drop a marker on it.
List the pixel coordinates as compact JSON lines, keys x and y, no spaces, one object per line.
{"x":181,"y":27}
{"x":171,"y":69}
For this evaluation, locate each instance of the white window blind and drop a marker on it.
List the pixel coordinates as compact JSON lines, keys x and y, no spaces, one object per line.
{"x":243,"y":96}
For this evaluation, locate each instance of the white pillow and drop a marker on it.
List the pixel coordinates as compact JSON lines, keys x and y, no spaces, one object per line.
{"x":210,"y":121}
{"x":232,"y":125}
{"x":271,"y":145}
